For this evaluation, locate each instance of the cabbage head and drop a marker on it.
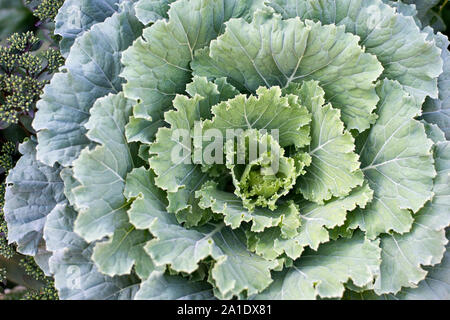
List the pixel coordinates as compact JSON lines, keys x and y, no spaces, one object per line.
{"x":250,"y":149}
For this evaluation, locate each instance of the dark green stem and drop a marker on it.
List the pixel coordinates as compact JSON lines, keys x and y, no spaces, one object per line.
{"x":441,"y":8}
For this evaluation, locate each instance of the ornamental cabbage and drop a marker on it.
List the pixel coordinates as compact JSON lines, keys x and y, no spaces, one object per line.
{"x":251,"y":149}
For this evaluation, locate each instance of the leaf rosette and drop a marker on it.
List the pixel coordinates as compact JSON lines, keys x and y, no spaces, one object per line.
{"x":242,"y":149}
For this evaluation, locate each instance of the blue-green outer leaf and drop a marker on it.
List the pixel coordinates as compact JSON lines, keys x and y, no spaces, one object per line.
{"x":92,"y":71}
{"x":33,"y":190}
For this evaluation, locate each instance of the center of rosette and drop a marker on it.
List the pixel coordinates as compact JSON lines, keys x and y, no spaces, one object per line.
{"x":261,"y":172}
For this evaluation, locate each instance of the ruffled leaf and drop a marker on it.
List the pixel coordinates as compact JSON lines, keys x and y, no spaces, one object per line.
{"x":164,"y":287}
{"x":398,"y":43}
{"x":397,"y":161}
{"x":404,"y":255}
{"x":148,"y":201}
{"x":353,"y":259}
{"x":99,"y":198}
{"x":76,"y":17}
{"x":435,"y":214}
{"x":178,"y":174}
{"x":76,"y":276}
{"x":150,"y":11}
{"x":267,"y":110}
{"x":93,"y":69}
{"x":157,"y":65}
{"x":315,"y":221}
{"x":274,"y":52}
{"x":285,"y":216}
{"x":435,"y":286}
{"x":334,"y":169}
{"x":123,"y":251}
{"x":175,"y":171}
{"x":264,"y":178}
{"x":438,"y":110}
{"x":101,"y":171}
{"x":236,"y":269}
{"x":33,"y":190}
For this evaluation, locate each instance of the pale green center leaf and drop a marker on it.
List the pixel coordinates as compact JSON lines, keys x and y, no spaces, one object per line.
{"x":261,"y":173}
{"x":285,"y":216}
{"x":315,"y":221}
{"x":270,"y":51}
{"x":334,"y":169}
